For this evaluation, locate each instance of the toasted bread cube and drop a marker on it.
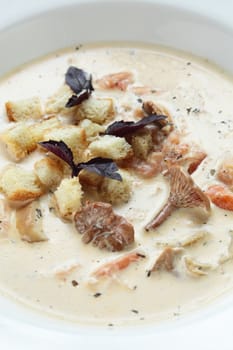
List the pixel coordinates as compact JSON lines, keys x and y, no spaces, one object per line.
{"x":26,"y":109}
{"x":91,"y":129}
{"x":111,"y":147}
{"x":22,"y":138}
{"x":73,"y":136}
{"x":68,"y":197}
{"x":29,"y":223}
{"x":142,"y":145}
{"x":88,"y":179}
{"x":98,"y":110}
{"x":40,"y":128}
{"x":19,"y":184}
{"x":57,"y":102}
{"x":49,"y":172}
{"x":19,"y":141}
{"x":117,"y":192}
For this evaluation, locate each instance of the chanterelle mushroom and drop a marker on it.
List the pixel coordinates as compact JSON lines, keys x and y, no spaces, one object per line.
{"x":184,"y":193}
{"x":100,"y":225}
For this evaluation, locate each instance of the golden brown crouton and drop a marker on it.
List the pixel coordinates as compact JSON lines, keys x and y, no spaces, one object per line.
{"x":73,"y":136}
{"x":111,"y":147}
{"x":29,"y":223}
{"x":88,"y":179}
{"x":116,"y":192}
{"x":142,"y":145}
{"x":57,"y":102}
{"x":47,"y":124}
{"x":26,"y":109}
{"x":49,"y":172}
{"x":19,"y":141}
{"x":19,"y":185}
{"x":91,"y":129}
{"x":22,"y":138}
{"x":98,"y":110}
{"x":68,"y":197}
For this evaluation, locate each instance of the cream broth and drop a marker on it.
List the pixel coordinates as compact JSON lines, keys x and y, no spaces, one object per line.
{"x":199,"y":98}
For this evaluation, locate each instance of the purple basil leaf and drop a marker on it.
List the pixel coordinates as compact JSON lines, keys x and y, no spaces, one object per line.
{"x":61,"y":150}
{"x":123,"y":128}
{"x":75,"y":100}
{"x":101,"y":166}
{"x":78,"y":80}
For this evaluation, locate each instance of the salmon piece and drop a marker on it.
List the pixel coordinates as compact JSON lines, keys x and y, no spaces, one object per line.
{"x":220,"y":196}
{"x":63,"y":272}
{"x":118,"y":264}
{"x":142,"y":90}
{"x":119,"y":81}
{"x":146,"y":169}
{"x":197,"y":158}
{"x":177,"y":153}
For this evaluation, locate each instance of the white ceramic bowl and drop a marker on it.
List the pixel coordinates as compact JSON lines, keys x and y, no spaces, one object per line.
{"x":30,"y":29}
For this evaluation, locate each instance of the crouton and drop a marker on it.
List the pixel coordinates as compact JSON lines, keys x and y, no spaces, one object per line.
{"x":24,"y":109}
{"x":91,"y":129}
{"x":67,"y":197}
{"x":98,"y":110}
{"x":19,"y":141}
{"x":19,"y":184}
{"x":112,"y":147}
{"x":47,"y":124}
{"x":57,"y":102}
{"x":29,"y":223}
{"x":73,"y":136}
{"x":88,"y":179}
{"x":142,"y":145}
{"x":116,"y":192}
{"x":49,"y":172}
{"x":22,"y":138}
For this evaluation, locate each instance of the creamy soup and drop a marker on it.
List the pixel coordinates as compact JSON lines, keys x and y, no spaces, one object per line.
{"x":59,"y":276}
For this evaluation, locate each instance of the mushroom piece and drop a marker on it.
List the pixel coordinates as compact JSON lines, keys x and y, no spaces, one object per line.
{"x":229,"y":254}
{"x":5,"y":215}
{"x":165,"y":260}
{"x":187,"y":241}
{"x":196,"y":268}
{"x":184,"y":193}
{"x":151,"y":107}
{"x":100,"y":225}
{"x":29,"y":223}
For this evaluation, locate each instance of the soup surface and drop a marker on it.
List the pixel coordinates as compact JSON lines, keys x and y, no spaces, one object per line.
{"x":180,"y":264}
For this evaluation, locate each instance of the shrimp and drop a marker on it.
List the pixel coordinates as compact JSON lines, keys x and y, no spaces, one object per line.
{"x":220,"y":196}
{"x":121,"y":263}
{"x":119,"y":81}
